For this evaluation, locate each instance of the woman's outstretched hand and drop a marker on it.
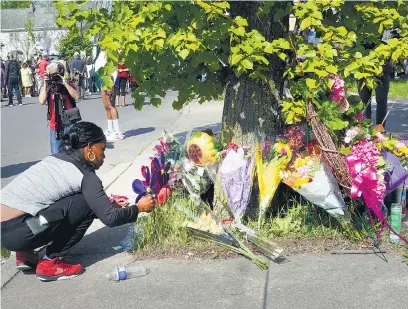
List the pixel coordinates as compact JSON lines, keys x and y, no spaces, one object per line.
{"x":146,"y":203}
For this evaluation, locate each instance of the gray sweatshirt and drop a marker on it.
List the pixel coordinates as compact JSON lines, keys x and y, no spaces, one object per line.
{"x":57,"y":177}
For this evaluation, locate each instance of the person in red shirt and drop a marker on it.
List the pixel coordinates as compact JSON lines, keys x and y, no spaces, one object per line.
{"x":55,"y":83}
{"x":123,"y":76}
{"x":132,"y":83}
{"x":42,"y":66}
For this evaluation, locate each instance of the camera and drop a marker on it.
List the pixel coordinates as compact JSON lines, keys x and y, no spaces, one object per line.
{"x":54,"y":80}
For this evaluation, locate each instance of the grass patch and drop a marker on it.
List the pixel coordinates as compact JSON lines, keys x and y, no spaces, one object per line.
{"x":165,"y":227}
{"x":398,"y":89}
{"x":5,"y":254}
{"x":299,"y":227}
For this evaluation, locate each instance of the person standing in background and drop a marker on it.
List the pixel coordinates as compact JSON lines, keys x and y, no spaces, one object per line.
{"x":26,"y":79}
{"x":123,"y":76}
{"x":132,"y":83}
{"x":42,"y":66}
{"x":3,"y":83}
{"x":89,"y":75}
{"x":68,"y":93}
{"x":13,"y":79}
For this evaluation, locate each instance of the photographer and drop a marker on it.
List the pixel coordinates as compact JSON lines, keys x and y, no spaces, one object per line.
{"x":60,"y":98}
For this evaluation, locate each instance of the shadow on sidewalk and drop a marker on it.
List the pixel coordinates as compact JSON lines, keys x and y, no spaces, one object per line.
{"x":138,"y":131}
{"x":97,"y":246}
{"x":15,"y":169}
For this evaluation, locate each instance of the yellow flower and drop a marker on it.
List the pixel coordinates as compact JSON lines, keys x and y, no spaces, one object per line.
{"x":200,"y":149}
{"x":283,"y":149}
{"x":404,"y":150}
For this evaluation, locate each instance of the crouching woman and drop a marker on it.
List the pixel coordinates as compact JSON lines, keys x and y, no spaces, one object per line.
{"x":54,"y":202}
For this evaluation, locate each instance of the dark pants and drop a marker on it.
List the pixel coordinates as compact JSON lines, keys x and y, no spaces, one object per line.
{"x":14,"y":84}
{"x":381,"y":97}
{"x":122,"y":85}
{"x":63,"y":235}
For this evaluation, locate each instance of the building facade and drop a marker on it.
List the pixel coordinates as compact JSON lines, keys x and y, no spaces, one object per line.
{"x":42,"y":39}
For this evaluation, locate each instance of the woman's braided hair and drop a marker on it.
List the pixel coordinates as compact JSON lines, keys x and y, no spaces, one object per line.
{"x":82,"y":134}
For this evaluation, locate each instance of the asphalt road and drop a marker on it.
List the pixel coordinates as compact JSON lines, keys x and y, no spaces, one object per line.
{"x":25,"y":132}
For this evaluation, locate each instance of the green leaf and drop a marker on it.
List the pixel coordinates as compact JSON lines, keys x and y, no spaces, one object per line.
{"x":282,"y":56}
{"x":345,"y":150}
{"x":331,"y":69}
{"x":248,"y":49}
{"x":311,"y":53}
{"x":240,"y":31}
{"x":159,"y":43}
{"x":247,"y":64}
{"x":241,"y":21}
{"x":342,"y":31}
{"x":184,"y":53}
{"x":306,"y":23}
{"x":286,"y":105}
{"x":358,"y":55}
{"x":311,"y":83}
{"x":155,"y":102}
{"x":336,"y":125}
{"x":167,"y":7}
{"x":236,"y":58}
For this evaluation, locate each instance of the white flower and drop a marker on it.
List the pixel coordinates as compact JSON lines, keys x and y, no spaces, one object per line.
{"x":351,"y":134}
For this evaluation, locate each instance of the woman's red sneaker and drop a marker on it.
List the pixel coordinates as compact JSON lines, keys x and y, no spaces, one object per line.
{"x":27,"y":260}
{"x":56,"y":269}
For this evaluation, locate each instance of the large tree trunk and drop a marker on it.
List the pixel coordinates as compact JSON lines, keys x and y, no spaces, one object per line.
{"x":251,"y":107}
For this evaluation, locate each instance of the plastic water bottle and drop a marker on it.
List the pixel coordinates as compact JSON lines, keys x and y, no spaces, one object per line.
{"x":395,"y":222}
{"x":123,"y":273}
{"x":404,"y":201}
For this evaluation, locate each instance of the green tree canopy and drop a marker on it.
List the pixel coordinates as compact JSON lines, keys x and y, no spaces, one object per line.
{"x":245,"y":49}
{"x":73,"y":42}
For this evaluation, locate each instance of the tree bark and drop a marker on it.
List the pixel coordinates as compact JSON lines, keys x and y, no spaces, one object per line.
{"x":251,"y":106}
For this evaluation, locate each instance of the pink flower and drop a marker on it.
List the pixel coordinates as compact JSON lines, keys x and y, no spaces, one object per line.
{"x":266,"y":146}
{"x":338,"y":93}
{"x":360,"y":116}
{"x":232,"y":146}
{"x":295,"y":135}
{"x":367,"y":152}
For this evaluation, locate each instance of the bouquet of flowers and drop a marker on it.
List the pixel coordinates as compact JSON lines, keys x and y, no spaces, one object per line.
{"x":270,"y":160}
{"x":236,"y":177}
{"x":155,"y":180}
{"x":367,"y":171}
{"x":308,"y":176}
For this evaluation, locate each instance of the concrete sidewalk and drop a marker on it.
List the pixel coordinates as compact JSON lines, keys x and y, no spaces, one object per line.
{"x":340,"y":281}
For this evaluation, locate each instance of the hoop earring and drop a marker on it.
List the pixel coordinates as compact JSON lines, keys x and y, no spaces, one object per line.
{"x":89,"y":156}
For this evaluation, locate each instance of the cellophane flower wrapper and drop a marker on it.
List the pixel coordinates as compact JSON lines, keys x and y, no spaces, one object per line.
{"x":236,"y":177}
{"x":395,"y":173}
{"x":269,"y":175}
{"x":324,"y":192}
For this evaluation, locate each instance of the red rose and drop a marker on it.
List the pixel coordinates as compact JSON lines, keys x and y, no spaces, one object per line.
{"x":163,"y":195}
